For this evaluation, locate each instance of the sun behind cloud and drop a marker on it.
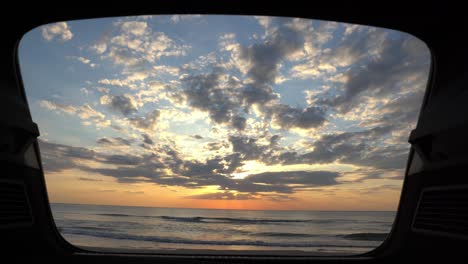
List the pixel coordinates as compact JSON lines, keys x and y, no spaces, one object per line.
{"x":230,"y":112}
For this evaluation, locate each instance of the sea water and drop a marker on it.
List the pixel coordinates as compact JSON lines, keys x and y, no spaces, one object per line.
{"x":124,"y":228}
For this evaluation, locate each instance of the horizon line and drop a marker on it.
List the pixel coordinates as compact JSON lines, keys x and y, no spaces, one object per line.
{"x":233,"y":209}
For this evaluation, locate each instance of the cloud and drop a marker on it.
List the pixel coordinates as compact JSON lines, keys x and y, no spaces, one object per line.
{"x":147,"y":139}
{"x":85,"y":91}
{"x":58,"y":157}
{"x":59,"y":30}
{"x":69,"y":109}
{"x":356,"y":148}
{"x":227,"y":195}
{"x":164,"y":69}
{"x":130,"y":81}
{"x":223,"y":196}
{"x":281,"y":182}
{"x":402,"y":110}
{"x":84,"y":112}
{"x":262,"y":61}
{"x":246,"y":146}
{"x":115,"y":141}
{"x":84,"y":61}
{"x":264,"y":58}
{"x":101,"y":45}
{"x":137,"y":46}
{"x":287,"y":117}
{"x":214,"y":146}
{"x":89,"y":179}
{"x":244,"y":105}
{"x":206,"y":92}
{"x":136,"y":28}
{"x":397,"y":65}
{"x":257,"y":93}
{"x":122,"y":56}
{"x":87,"y":112}
{"x":124,"y":104}
{"x":186,"y":173}
{"x":147,"y":122}
{"x":118,"y":159}
{"x":117,"y":82}
{"x":304,"y":178}
{"x":238,"y":122}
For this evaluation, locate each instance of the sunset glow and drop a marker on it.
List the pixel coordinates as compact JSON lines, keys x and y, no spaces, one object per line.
{"x":225,"y":112}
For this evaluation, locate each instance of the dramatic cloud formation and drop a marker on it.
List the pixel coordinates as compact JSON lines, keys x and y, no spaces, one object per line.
{"x":274,"y":112}
{"x":189,"y":174}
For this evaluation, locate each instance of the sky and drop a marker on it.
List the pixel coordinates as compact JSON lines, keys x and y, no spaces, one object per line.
{"x":226,"y":112}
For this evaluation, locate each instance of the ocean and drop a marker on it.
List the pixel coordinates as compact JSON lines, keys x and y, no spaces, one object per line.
{"x":123,"y":228}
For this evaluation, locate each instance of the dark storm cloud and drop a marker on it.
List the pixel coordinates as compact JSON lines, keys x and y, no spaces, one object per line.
{"x":399,"y":60}
{"x":116,"y":141}
{"x":122,"y":104}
